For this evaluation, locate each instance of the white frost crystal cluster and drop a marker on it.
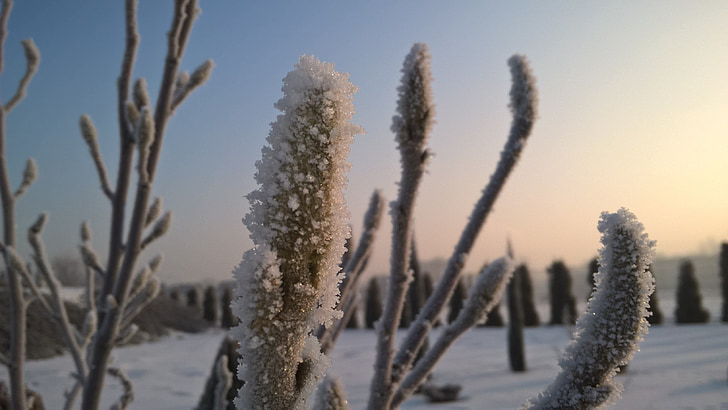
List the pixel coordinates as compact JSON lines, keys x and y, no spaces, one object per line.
{"x":606,"y":337}
{"x":288,"y":282}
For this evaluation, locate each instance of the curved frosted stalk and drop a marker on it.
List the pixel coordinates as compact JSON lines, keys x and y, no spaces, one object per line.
{"x":606,"y":336}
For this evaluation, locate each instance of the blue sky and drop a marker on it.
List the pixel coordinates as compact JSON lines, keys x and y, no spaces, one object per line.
{"x":633,"y":103}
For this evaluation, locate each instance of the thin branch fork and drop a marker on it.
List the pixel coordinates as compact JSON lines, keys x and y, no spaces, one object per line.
{"x":126,"y":154}
{"x":484,"y":295}
{"x":523,"y":106}
{"x":70,"y":333}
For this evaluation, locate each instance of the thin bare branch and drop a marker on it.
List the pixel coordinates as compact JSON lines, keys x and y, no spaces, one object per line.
{"x":72,"y":395}
{"x":372,"y":220}
{"x":60,"y":315}
{"x":128,"y":396}
{"x":123,"y":254}
{"x":32,"y":59}
{"x":224,"y":382}
{"x":126,"y":156}
{"x":185,"y":14}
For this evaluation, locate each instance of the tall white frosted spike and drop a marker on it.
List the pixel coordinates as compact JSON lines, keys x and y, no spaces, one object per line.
{"x":288,"y":283}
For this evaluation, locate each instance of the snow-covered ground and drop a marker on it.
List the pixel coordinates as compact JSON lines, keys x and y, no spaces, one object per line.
{"x":678,"y":367}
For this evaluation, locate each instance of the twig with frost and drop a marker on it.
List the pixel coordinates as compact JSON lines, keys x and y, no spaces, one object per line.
{"x":523,"y":105}
{"x":412,"y":127}
{"x":287,"y":285}
{"x":126,"y":334}
{"x":352,"y":272}
{"x":128,"y":396}
{"x":15,"y":358}
{"x":155,"y":209}
{"x":484,"y":295}
{"x":75,"y":341}
{"x":224,"y":382}
{"x":141,"y":131}
{"x":186,"y":84}
{"x":137,"y":304}
{"x":30,"y":173}
{"x":13,"y":259}
{"x":607,"y":335}
{"x":32,"y":59}
{"x":331,"y":395}
{"x":160,"y":229}
{"x":90,"y":136}
{"x":86,"y":238}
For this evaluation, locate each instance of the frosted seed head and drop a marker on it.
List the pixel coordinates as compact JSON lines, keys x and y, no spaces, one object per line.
{"x":89,"y":323}
{"x":373,"y":217}
{"x":111,"y":303}
{"x":156,"y":262}
{"x":182,"y":78}
{"x":88,"y":255}
{"x":88,"y":130}
{"x":524,"y":96}
{"x":31,"y":172}
{"x":140,"y":94}
{"x":201,"y":74}
{"x":288,"y":283}
{"x":132,"y":113}
{"x":145,"y":133}
{"x":85,"y":232}
{"x":162,"y":225}
{"x":155,"y":209}
{"x":37,"y":227}
{"x":415,"y":107}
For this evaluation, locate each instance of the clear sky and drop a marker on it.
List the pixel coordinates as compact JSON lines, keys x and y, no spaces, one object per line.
{"x":633,"y":112}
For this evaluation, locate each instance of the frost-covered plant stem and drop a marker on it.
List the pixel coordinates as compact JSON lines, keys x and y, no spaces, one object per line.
{"x":287,"y":285}
{"x":412,"y":127}
{"x":352,"y":272}
{"x":523,"y":104}
{"x":138,"y":129}
{"x":15,"y":358}
{"x":331,"y":395}
{"x":73,"y":339}
{"x":484,"y":295}
{"x":606,"y":336}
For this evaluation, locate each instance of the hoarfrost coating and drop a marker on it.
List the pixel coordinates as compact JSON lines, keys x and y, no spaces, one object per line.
{"x":606,"y":337}
{"x":298,"y":221}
